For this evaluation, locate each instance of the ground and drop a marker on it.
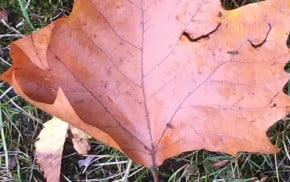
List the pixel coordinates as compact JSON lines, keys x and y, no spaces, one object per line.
{"x":20,"y":124}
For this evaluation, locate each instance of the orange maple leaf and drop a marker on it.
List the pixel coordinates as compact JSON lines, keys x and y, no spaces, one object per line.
{"x":157,"y":78}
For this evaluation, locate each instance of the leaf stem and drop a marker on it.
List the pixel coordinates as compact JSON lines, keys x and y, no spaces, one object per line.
{"x":155,"y":175}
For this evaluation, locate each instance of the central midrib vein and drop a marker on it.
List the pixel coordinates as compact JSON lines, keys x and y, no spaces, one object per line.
{"x":152,"y":150}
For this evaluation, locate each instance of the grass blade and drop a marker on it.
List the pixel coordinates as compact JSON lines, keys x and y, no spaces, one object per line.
{"x":25,"y":14}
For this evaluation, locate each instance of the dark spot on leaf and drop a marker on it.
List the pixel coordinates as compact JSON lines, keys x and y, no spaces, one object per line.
{"x":109,"y":71}
{"x":274,"y":105}
{"x":79,"y":101}
{"x":233,"y":52}
{"x":168,"y":125}
{"x":128,"y":93}
{"x":106,"y":85}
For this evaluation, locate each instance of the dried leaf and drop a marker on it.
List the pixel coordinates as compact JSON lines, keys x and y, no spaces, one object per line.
{"x":3,"y":14}
{"x":220,"y":164}
{"x":49,"y":147}
{"x":157,"y":78}
{"x":79,"y":140}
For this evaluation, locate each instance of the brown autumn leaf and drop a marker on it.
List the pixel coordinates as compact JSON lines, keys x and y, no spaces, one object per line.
{"x":157,"y":78}
{"x":49,"y":147}
{"x":3,"y":14}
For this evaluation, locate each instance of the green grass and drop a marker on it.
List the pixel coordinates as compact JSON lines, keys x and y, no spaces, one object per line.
{"x":20,"y":123}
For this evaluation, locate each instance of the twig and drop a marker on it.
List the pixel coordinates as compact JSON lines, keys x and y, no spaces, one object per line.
{"x":4,"y":145}
{"x":5,"y":92}
{"x":285,"y":147}
{"x":25,"y":112}
{"x":276,"y":168}
{"x":11,"y":28}
{"x":125,"y":177}
{"x":4,"y":61}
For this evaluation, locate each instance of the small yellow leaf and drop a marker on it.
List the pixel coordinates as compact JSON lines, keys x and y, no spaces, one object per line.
{"x":49,"y":147}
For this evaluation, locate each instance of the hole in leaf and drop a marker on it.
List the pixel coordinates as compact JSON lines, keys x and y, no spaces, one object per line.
{"x":287,"y":67}
{"x":264,"y":41}
{"x":286,"y":88}
{"x":233,"y":4}
{"x":205,"y":36}
{"x":288,"y":41}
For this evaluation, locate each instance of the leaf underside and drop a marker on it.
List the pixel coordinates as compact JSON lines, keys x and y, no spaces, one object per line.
{"x":157,"y":78}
